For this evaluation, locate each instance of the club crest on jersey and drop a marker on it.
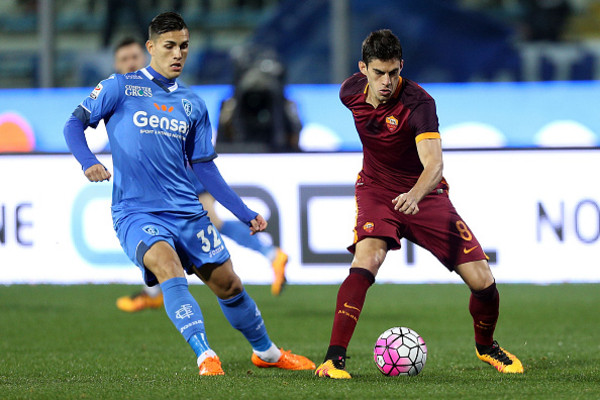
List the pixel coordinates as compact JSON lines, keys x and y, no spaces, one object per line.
{"x":368,"y":227}
{"x":187,"y":107}
{"x":138,"y":91}
{"x":96,"y":91}
{"x":392,"y":123}
{"x":150,"y":230}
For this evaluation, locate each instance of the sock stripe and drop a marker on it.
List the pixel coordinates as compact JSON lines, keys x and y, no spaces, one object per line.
{"x":364,"y":272}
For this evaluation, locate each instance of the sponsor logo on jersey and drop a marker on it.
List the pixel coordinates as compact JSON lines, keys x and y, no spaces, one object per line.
{"x":133,"y":76}
{"x":368,"y":227}
{"x":187,"y":107}
{"x":138,"y":91}
{"x":150,"y":230}
{"x":392,"y":123}
{"x":163,"y":108}
{"x":142,"y":119}
{"x":96,"y":91}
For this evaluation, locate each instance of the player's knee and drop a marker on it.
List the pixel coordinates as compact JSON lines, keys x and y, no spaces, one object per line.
{"x":371,"y":263}
{"x":229,"y":288}
{"x":167,"y":270}
{"x":163,"y":263}
{"x":477,"y":275}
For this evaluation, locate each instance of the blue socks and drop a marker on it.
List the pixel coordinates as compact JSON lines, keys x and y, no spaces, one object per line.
{"x":240,"y":233}
{"x":185,"y":313}
{"x":241,"y":312}
{"x":243,"y":315}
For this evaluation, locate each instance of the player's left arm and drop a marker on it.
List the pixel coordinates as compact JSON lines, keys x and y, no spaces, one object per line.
{"x":430,"y":154}
{"x":209,"y":175}
{"x":201,"y":153}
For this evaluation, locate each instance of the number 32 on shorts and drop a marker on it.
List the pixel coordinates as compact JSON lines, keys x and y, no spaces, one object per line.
{"x":205,"y":237}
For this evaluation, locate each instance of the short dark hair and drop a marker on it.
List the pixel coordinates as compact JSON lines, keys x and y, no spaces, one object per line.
{"x":166,"y":22}
{"x":382,"y":45}
{"x":127,"y":41}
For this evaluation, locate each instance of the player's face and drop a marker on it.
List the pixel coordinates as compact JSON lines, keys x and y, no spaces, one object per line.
{"x":383,"y":78}
{"x":169,"y":52}
{"x":130,"y":58}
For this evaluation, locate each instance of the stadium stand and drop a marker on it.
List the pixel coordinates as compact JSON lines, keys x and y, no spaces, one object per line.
{"x":496,"y":48}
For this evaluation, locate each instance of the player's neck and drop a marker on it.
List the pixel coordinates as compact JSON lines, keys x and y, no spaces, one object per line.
{"x":371,"y":99}
{"x":158,"y":76}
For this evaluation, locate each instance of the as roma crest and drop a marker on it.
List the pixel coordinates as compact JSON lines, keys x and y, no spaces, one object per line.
{"x":392,"y":123}
{"x":368,"y":227}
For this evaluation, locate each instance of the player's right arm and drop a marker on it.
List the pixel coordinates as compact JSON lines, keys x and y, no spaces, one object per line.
{"x":101,"y":103}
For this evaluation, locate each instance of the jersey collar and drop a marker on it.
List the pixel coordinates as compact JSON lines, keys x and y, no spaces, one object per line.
{"x":166,"y":87}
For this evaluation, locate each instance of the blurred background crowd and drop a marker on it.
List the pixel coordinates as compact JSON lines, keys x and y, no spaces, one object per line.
{"x":68,"y":43}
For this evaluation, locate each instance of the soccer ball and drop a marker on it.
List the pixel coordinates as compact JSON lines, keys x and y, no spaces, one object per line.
{"x":400,"y":351}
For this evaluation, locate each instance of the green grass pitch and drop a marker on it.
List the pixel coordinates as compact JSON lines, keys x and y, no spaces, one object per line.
{"x":71,"y":342}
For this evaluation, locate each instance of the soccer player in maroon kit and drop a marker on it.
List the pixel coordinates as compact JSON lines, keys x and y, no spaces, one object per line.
{"x":401,"y":193}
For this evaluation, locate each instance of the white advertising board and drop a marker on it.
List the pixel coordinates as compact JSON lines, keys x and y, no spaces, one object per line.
{"x":536,"y":213}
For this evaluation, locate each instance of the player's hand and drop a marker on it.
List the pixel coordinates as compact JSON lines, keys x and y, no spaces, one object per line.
{"x":97,"y":173}
{"x":406,"y":203}
{"x":258,"y":224}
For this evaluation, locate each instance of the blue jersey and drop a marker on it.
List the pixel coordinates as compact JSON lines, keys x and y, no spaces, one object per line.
{"x":154,"y":130}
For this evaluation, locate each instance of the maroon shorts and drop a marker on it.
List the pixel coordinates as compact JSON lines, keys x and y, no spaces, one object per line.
{"x":437,"y":227}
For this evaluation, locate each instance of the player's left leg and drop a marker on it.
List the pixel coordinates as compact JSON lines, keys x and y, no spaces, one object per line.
{"x":484,"y":307}
{"x":243,"y":314}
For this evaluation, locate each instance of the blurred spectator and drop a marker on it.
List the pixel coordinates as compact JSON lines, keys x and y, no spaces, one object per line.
{"x":129,"y":55}
{"x":545,"y":20}
{"x":258,"y":116}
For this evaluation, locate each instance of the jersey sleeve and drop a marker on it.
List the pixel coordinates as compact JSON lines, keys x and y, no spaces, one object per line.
{"x":424,"y":121}
{"x":101,"y":103}
{"x":199,"y":146}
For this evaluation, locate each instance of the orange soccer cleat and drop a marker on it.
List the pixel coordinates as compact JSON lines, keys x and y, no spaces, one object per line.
{"x":501,"y":359}
{"x":329,"y":370}
{"x":288,"y":360}
{"x":211,"y":366}
{"x":139,"y":301}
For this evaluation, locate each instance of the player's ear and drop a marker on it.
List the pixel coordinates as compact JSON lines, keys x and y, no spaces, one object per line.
{"x":362,"y":67}
{"x":401,"y":65}
{"x":149,"y":46}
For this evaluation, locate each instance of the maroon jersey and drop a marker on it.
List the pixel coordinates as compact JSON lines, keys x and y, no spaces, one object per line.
{"x":391,"y":165}
{"x":390,"y":132}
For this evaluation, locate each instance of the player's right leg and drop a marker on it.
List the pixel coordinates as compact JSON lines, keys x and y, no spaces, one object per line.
{"x":368,"y":256}
{"x":181,"y":307}
{"x":148,"y":242}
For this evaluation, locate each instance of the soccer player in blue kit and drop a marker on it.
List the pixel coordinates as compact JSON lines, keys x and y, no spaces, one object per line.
{"x":156,"y":128}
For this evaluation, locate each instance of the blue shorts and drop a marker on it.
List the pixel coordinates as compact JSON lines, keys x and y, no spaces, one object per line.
{"x":193,"y":236}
